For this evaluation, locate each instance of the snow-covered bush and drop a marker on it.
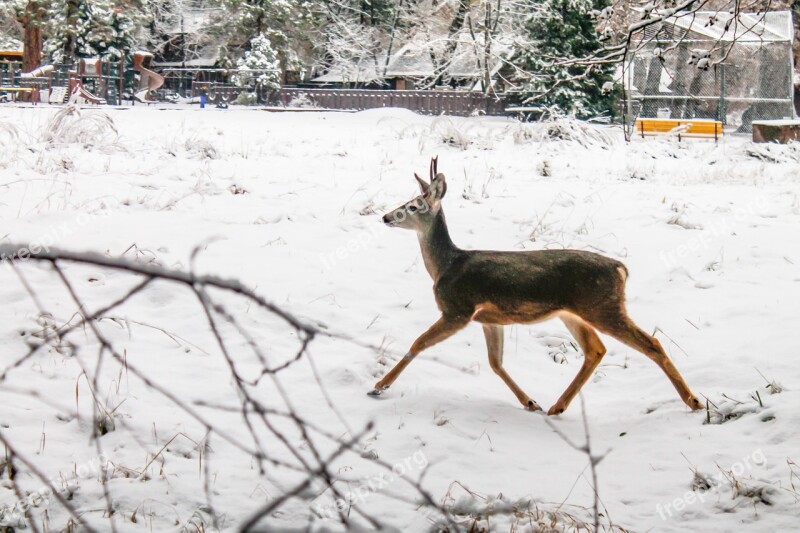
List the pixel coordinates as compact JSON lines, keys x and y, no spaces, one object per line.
{"x":303,"y":101}
{"x":445,"y":131}
{"x":246,"y":98}
{"x":774,"y":153}
{"x":70,"y":125}
{"x":564,"y":129}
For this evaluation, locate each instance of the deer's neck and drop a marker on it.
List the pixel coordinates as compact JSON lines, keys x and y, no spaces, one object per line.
{"x":438,"y":250}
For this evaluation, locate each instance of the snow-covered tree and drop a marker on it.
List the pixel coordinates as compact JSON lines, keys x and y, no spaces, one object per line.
{"x":88,"y":28}
{"x":28,"y":19}
{"x":263,"y":61}
{"x":287,"y":24}
{"x":560,"y":31}
{"x":11,"y":30}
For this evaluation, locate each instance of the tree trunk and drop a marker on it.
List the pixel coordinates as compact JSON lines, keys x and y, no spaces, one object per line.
{"x":487,"y":48}
{"x":70,"y":44}
{"x":32,"y":43}
{"x":455,"y":26}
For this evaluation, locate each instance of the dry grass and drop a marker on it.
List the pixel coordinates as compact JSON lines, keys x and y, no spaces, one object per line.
{"x":73,"y":126}
{"x":564,"y":129}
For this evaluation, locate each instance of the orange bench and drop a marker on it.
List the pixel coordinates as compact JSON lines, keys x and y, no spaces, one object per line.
{"x":691,"y":127}
{"x":17,"y":90}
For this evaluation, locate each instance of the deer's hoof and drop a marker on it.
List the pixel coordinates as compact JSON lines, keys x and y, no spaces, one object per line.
{"x":557,"y":409}
{"x":530,"y":405}
{"x":695,"y":404}
{"x":375,"y":392}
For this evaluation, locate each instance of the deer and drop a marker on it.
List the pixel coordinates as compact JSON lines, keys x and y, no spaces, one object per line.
{"x":584,"y":289}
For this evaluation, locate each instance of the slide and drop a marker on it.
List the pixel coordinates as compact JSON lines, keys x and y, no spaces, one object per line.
{"x":149,"y":80}
{"x":80,"y":93}
{"x":40,"y":72}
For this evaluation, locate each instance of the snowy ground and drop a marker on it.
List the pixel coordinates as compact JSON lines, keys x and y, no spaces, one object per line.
{"x":289,"y":204}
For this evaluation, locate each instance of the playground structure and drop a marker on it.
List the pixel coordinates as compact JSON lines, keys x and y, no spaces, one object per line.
{"x":149,"y":81}
{"x":78,"y":93}
{"x":90,"y":80}
{"x":102,"y":81}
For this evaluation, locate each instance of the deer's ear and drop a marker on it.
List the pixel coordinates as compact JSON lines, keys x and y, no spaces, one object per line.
{"x":424,"y":187}
{"x":438,"y":187}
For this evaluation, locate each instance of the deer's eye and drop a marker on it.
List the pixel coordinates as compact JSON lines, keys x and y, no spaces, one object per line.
{"x":411,"y":209}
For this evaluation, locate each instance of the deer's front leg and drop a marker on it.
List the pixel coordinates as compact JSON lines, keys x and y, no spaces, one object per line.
{"x":442,"y":329}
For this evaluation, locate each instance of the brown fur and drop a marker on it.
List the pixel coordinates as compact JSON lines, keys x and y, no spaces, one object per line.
{"x":495,"y":288}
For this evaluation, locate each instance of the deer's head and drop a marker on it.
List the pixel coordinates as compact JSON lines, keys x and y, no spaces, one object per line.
{"x":420,"y":212}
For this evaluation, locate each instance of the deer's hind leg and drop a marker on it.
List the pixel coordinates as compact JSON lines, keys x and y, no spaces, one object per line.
{"x":494,"y":344}
{"x":622,"y":328}
{"x":593,"y":352}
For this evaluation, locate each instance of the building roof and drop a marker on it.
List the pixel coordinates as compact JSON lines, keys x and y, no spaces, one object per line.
{"x":360,"y":70}
{"x":771,"y":26}
{"x":10,"y":44}
{"x":413,"y":60}
{"x":209,"y":61}
{"x":192,"y":20}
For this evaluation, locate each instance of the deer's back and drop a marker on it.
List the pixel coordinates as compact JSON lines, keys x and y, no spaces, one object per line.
{"x":550,"y":280}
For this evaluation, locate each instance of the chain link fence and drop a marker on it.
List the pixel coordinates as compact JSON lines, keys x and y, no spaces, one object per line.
{"x":713,"y":65}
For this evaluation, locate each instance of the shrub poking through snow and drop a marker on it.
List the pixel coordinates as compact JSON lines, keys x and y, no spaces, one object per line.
{"x":445,"y":131}
{"x":732,"y":409}
{"x":774,"y":153}
{"x":8,"y":133}
{"x":477,"y":512}
{"x":302,"y":101}
{"x":564,"y":129}
{"x":71,"y":125}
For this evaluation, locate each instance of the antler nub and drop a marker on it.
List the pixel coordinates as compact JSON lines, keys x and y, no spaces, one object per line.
{"x":434,"y":163}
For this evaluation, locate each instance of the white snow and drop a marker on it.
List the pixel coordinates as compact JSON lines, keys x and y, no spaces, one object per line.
{"x":289,"y":204}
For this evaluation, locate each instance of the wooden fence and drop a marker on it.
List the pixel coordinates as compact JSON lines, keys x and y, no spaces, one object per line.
{"x":458,"y":103}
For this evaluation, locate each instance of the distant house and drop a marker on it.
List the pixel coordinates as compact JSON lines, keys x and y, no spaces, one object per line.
{"x":422,"y":62}
{"x":183,"y":48}
{"x":187,"y":56}
{"x":365,"y":72}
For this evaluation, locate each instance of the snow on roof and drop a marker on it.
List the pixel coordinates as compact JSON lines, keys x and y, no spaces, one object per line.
{"x":362,"y":70}
{"x":414,"y":60}
{"x":193,"y":20}
{"x":772,"y":26}
{"x":196,"y":62}
{"x":10,"y":44}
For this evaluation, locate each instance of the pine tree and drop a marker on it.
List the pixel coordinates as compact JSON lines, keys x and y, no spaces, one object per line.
{"x":263,"y":59}
{"x":90,"y":28}
{"x":563,"y":30}
{"x":115,"y":29}
{"x":288,"y":24}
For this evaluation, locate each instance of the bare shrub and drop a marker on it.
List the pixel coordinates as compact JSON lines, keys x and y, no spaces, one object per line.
{"x":564,"y":129}
{"x":73,"y":126}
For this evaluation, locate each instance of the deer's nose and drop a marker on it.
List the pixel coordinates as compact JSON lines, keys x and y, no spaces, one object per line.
{"x":386,"y":219}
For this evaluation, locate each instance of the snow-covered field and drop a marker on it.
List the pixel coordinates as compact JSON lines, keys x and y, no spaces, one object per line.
{"x":289,"y":204}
